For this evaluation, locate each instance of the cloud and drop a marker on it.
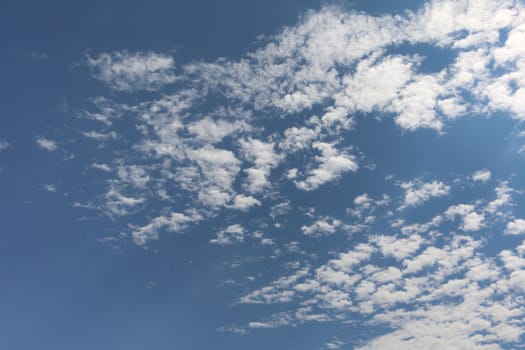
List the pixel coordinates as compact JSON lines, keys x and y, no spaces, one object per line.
{"x":134,"y":175}
{"x":440,"y":294}
{"x":322,"y":227}
{"x":174,"y":222}
{"x":100,"y":136}
{"x":417,"y":193}
{"x":481,"y":175}
{"x":399,"y":248}
{"x":264,"y":159}
{"x":126,"y":71}
{"x":296,"y":139}
{"x":233,"y":133}
{"x":416,"y":106}
{"x":230,"y":235}
{"x":503,"y":199}
{"x":331,"y":165}
{"x":471,"y":221}
{"x":218,"y":169}
{"x":243,"y":202}
{"x":376,"y":83}
{"x":334,"y":344}
{"x":4,"y":144}
{"x":420,"y":284}
{"x":366,"y":205}
{"x":102,"y":167}
{"x":46,"y":144}
{"x":332,"y":66}
{"x":214,"y":131}
{"x":515,"y":227}
{"x":49,"y":188}
{"x":116,"y":203}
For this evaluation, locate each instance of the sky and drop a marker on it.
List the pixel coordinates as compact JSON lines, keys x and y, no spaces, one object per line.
{"x":262,"y":175}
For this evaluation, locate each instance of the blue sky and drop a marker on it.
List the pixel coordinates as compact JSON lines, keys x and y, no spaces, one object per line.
{"x":277,"y":175}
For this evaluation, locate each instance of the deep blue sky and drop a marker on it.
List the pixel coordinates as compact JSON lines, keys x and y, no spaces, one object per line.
{"x":429,"y":125}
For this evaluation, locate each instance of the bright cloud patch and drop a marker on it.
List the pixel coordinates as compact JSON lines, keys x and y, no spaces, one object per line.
{"x":516,"y":227}
{"x":419,"y":193}
{"x":125,"y":71}
{"x":46,"y":144}
{"x":482,"y":175}
{"x":230,"y":235}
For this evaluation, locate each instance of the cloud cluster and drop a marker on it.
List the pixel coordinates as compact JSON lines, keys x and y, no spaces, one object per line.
{"x":234,"y":136}
{"x":419,"y":193}
{"x":126,"y":71}
{"x":432,"y":287}
{"x":208,"y":137}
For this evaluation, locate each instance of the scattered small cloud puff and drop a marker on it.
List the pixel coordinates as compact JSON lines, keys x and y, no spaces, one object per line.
{"x":101,"y":167}
{"x":49,"y":188}
{"x":334,"y":344}
{"x":46,"y":144}
{"x":515,"y":227}
{"x":417,"y":192}
{"x":483,"y":175}
{"x":4,"y":144}
{"x":230,"y":235}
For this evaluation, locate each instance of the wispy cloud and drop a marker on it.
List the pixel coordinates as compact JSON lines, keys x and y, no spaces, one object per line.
{"x":4,"y":144}
{"x":46,"y":144}
{"x":127,"y":71}
{"x":417,"y":193}
{"x":230,"y":235}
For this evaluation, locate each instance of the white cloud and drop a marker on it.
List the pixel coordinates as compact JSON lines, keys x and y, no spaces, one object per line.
{"x":417,"y":193}
{"x":264,"y":158}
{"x":375,"y":83}
{"x":174,"y":222}
{"x":280,"y":209}
{"x":218,"y":170}
{"x":430,"y":298}
{"x":365,"y":205}
{"x":335,"y":63}
{"x":243,"y":202}
{"x":296,"y":139}
{"x":322,"y":227}
{"x":50,"y":188}
{"x":230,"y":235}
{"x":134,"y":175}
{"x":100,"y":136}
{"x":4,"y":144}
{"x":503,"y":198}
{"x":47,"y":144}
{"x":276,"y":292}
{"x":399,"y":248}
{"x":116,"y":203}
{"x":206,"y":142}
{"x":332,"y":165}
{"x":417,"y":103}
{"x":471,"y":221}
{"x":515,"y":227}
{"x":214,"y":131}
{"x":126,"y":71}
{"x":100,"y":166}
{"x":334,"y":344}
{"x":481,"y":175}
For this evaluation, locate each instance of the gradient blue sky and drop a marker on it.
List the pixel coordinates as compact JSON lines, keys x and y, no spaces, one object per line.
{"x":262,"y":175}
